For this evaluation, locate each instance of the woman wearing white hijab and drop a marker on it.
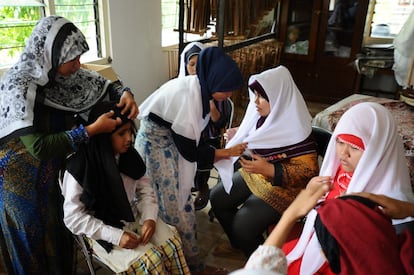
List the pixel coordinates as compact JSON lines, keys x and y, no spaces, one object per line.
{"x":366,"y":238}
{"x":172,"y":119}
{"x":279,"y":140}
{"x":39,"y":98}
{"x":188,"y":58}
{"x":381,"y":170}
{"x":219,"y":113}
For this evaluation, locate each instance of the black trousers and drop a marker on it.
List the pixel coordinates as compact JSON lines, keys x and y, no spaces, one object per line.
{"x":243,"y":216}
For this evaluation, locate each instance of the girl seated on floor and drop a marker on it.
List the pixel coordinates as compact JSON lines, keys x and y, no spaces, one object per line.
{"x":110,"y":200}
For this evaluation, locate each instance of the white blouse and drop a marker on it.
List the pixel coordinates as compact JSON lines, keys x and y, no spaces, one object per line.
{"x":79,"y":221}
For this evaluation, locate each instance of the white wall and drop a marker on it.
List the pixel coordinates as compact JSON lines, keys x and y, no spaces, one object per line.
{"x":135,"y":27}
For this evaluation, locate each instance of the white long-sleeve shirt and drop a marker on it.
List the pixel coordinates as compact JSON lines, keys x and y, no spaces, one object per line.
{"x":80,"y":221}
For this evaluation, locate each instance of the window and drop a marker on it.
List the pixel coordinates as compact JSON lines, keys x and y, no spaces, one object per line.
{"x":17,"y":18}
{"x":385,"y":19}
{"x":170,"y":20}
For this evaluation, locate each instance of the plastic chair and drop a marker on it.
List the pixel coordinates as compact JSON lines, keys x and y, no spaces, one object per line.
{"x":322,"y":137}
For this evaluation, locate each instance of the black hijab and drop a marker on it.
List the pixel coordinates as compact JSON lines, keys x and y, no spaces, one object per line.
{"x":95,"y":168}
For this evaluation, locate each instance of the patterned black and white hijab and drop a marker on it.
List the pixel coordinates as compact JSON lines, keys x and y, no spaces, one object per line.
{"x":54,"y":41}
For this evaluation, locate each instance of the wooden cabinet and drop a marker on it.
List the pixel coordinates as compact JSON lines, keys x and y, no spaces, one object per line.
{"x":322,"y":38}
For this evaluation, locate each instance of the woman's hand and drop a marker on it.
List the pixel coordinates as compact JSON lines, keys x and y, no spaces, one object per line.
{"x":234,"y":151}
{"x":257,"y":165}
{"x":316,"y":182}
{"x":129,"y":240}
{"x":229,"y":134}
{"x":214,"y":112}
{"x":392,"y":208}
{"x":300,"y":207}
{"x":307,"y":199}
{"x":104,"y":124}
{"x":127,"y":103}
{"x":147,"y":230}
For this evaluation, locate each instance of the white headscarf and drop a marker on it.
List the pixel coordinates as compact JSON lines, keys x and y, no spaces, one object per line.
{"x":54,"y":41}
{"x":180,"y":102}
{"x":288,"y":122}
{"x":167,"y":102}
{"x":183,"y":62}
{"x":382,"y":169}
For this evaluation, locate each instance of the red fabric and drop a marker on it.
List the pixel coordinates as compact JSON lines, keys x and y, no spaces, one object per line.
{"x":340,"y":183}
{"x":352,"y":140}
{"x":294,"y":267}
{"x":406,"y":251}
{"x":366,"y":238}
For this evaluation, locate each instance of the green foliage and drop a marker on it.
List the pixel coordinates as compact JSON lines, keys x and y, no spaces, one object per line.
{"x":17,"y":22}
{"x":16,"y":25}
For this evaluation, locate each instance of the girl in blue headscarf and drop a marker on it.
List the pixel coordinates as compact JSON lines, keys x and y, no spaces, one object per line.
{"x":171,"y":122}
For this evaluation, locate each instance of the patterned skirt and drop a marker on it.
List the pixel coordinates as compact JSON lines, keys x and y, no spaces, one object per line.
{"x":163,"y":255}
{"x":156,"y":146}
{"x":33,"y":238}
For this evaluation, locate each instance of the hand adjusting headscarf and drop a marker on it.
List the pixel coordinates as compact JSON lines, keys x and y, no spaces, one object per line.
{"x":95,"y":168}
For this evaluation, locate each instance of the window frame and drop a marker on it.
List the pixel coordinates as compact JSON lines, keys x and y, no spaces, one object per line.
{"x":367,"y":39}
{"x":102,"y":33}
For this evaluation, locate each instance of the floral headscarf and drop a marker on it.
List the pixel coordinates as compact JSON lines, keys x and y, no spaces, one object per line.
{"x":54,"y":41}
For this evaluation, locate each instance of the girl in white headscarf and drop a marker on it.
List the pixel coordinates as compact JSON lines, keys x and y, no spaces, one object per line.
{"x":366,"y":154}
{"x":188,"y":59}
{"x":282,"y":153}
{"x":171,"y":121}
{"x":211,"y":135}
{"x":39,"y":98}
{"x":380,"y":170}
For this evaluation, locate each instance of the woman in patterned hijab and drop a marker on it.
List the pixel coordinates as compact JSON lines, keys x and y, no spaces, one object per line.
{"x":40,"y":96}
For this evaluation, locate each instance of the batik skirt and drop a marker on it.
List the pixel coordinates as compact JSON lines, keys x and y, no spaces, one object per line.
{"x":33,"y":239}
{"x":156,"y":146}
